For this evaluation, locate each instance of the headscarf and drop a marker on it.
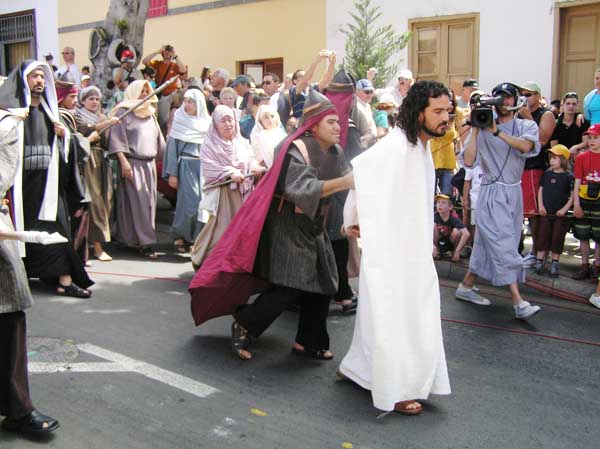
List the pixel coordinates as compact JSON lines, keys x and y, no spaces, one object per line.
{"x":226,"y":278}
{"x":15,"y":96}
{"x":264,"y":140}
{"x":191,"y":128}
{"x":132,"y":97}
{"x":62,"y":91}
{"x":81,"y":112}
{"x":220,"y":158}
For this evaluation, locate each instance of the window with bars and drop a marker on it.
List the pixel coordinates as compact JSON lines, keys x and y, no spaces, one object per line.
{"x":17,"y":40}
{"x":157,"y":8}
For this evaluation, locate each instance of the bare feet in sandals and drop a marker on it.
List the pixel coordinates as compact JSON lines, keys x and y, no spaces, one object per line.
{"x":408,"y":407}
{"x":240,"y":340}
{"x":319,"y":354}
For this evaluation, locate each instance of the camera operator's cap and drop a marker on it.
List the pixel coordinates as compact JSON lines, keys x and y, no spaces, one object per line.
{"x":406,"y":74}
{"x":593,"y":130}
{"x":240,"y":79}
{"x":471,"y":83}
{"x":506,"y":88}
{"x":365,"y":85}
{"x":531,"y":86}
{"x":560,"y":150}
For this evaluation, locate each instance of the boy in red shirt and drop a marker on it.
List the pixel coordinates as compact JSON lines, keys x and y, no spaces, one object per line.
{"x":587,"y":203}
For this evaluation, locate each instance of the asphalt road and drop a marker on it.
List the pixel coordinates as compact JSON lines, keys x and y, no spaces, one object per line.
{"x":143,"y":376}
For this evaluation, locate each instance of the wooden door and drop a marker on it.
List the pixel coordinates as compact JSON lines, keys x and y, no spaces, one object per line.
{"x":579,"y":49}
{"x":445,"y":49}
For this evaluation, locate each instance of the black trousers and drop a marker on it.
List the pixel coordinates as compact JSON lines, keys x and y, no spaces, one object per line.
{"x":341,"y":251}
{"x":312,"y":325}
{"x":14,"y":385}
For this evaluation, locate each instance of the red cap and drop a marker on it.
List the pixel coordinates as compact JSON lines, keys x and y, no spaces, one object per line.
{"x":127,"y":54}
{"x":594,"y":130}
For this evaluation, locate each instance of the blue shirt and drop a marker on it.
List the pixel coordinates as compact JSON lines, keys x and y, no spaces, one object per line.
{"x":594,"y":109}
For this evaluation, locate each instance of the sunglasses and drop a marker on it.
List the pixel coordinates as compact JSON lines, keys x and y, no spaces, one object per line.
{"x":529,"y":94}
{"x":267,"y":82}
{"x":570,"y":95}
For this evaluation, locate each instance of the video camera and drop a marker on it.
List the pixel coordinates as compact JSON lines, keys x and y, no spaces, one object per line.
{"x":482,"y":110}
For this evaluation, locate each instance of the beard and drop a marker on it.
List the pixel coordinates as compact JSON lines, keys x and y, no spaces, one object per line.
{"x":433,"y":133}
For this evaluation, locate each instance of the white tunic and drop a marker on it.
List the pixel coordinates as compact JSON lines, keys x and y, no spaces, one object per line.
{"x":397,"y":350}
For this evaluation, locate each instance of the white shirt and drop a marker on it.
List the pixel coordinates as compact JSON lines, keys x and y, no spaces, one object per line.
{"x":474,"y":174}
{"x":74,"y":71}
{"x":366,"y":110}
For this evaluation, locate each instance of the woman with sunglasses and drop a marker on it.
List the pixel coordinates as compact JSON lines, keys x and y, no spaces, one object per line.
{"x":570,"y":126}
{"x":591,"y":102}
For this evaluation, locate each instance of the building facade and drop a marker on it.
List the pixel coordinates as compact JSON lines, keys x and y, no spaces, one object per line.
{"x":27,"y":30}
{"x":242,"y":36}
{"x":553,"y":42}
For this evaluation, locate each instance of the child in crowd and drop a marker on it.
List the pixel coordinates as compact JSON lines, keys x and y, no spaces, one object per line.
{"x":470,"y":194}
{"x":587,"y":203}
{"x":450,"y":234}
{"x":555,"y":197}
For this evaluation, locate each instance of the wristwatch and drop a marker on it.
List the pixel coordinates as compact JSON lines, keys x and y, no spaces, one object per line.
{"x":495,"y":133}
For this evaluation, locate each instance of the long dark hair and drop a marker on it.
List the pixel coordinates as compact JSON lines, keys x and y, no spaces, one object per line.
{"x":414,"y":103}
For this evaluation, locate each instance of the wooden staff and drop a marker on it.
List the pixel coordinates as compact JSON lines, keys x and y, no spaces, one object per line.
{"x":156,"y":91}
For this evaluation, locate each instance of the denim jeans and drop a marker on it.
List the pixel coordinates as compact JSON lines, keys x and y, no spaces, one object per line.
{"x":443,"y":179}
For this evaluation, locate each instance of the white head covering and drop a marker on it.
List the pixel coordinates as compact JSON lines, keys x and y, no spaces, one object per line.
{"x":191,"y":128}
{"x":264,"y":140}
{"x":132,"y":98}
{"x":49,"y":103}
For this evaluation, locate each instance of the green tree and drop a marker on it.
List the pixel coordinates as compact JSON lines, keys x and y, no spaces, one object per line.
{"x":369,"y":45}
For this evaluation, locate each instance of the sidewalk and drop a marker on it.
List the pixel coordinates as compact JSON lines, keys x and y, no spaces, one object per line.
{"x":564,"y":286}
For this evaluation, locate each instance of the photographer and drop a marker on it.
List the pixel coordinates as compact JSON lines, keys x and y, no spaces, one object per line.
{"x":501,"y":149}
{"x":169,"y":67}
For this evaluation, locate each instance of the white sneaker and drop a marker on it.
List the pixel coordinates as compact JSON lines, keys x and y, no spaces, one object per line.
{"x":595,"y":300}
{"x":529,"y":260}
{"x":470,"y":295}
{"x":525,"y":310}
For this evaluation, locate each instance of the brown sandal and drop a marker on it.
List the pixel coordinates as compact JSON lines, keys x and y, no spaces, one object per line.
{"x":405,"y":409}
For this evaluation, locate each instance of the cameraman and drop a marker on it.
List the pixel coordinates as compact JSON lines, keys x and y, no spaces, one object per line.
{"x":501,"y":151}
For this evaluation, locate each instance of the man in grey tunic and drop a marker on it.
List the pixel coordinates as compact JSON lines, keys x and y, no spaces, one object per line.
{"x":501,"y":150}
{"x":294,"y":255}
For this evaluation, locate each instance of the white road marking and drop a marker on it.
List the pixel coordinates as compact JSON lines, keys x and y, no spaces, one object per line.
{"x":122,"y":363}
{"x":107,"y":311}
{"x":97,"y":367}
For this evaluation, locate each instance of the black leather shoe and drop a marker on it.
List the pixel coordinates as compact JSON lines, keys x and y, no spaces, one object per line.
{"x":34,"y":424}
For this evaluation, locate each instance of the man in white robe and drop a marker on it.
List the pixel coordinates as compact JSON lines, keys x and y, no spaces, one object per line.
{"x":397,"y":349}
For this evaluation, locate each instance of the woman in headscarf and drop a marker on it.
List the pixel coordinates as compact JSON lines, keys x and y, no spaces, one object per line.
{"x":97,"y":170}
{"x":266,"y":134}
{"x":181,"y":165}
{"x":135,"y":142}
{"x":227,"y":167}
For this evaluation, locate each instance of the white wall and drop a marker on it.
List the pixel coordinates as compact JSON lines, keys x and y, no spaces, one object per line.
{"x":46,"y":23}
{"x":515,"y":36}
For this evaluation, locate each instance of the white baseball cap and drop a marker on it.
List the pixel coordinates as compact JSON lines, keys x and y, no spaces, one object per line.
{"x":405,"y":73}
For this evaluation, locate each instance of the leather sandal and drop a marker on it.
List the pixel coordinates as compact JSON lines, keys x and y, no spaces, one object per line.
{"x":34,"y":423}
{"x":148,"y":252}
{"x":318,"y":354}
{"x":73,"y":290}
{"x":240,"y":340}
{"x":180,"y":246}
{"x":403,"y":408}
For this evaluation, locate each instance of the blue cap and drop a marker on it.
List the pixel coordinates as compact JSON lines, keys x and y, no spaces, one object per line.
{"x":240,"y":79}
{"x":364,"y":84}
